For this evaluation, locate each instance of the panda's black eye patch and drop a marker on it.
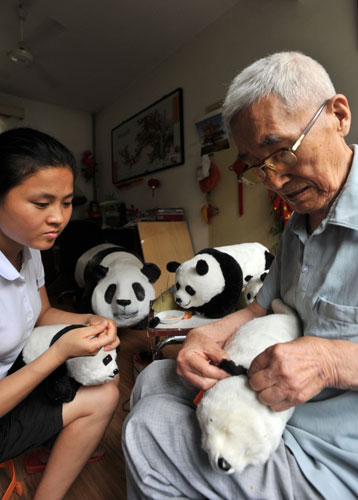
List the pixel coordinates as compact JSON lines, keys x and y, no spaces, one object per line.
{"x":139,"y":291}
{"x":190,"y":290}
{"x":177,"y":286}
{"x":107,"y":360}
{"x":111,"y":290}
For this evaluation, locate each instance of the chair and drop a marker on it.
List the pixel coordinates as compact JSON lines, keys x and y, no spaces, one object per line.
{"x":171,"y":340}
{"x":14,"y":484}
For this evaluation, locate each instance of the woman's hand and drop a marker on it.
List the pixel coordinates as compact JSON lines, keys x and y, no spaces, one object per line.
{"x":110,"y":333}
{"x":292,"y":373}
{"x":85,"y":341}
{"x":197,"y":360}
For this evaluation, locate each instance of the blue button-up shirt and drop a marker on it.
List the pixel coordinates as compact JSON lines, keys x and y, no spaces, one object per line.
{"x":318,"y":276}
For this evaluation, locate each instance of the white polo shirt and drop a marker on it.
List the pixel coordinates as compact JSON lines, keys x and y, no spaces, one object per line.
{"x":20,"y":304}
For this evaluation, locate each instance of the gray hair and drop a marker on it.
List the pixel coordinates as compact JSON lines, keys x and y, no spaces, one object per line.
{"x":296,"y":78}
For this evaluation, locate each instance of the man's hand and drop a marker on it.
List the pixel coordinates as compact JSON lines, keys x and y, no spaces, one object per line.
{"x":292,"y":373}
{"x":197,"y":360}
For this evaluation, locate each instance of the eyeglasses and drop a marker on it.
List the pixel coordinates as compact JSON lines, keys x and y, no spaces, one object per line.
{"x":280,"y":160}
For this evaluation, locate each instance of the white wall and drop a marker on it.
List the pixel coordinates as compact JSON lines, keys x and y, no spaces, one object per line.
{"x":323,"y":29}
{"x":71,"y":127}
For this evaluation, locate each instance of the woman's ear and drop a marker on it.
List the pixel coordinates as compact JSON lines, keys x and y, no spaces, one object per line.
{"x":339,"y":106}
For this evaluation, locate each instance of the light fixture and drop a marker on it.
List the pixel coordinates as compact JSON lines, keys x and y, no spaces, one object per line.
{"x":21,"y":56}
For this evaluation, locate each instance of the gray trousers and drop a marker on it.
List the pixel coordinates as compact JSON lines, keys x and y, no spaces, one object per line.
{"x":164,"y":458}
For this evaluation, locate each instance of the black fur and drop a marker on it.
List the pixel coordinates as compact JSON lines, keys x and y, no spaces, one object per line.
{"x":230,"y":367}
{"x":269,"y":258}
{"x":151,"y":271}
{"x":172,"y":266}
{"x":226,"y":302}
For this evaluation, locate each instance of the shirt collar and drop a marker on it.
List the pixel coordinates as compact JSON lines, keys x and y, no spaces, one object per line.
{"x":7,"y":270}
{"x":344,"y":211}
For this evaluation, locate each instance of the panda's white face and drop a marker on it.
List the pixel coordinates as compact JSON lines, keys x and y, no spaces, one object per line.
{"x":237,"y":429}
{"x":193,"y":289}
{"x":253,"y":287}
{"x":94,"y":370}
{"x":123,"y":295}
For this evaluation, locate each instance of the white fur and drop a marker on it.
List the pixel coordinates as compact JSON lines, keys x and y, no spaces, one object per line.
{"x":124,"y":270}
{"x":87,"y":370}
{"x":206,"y":287}
{"x":235,"y":425}
{"x":250,"y":256}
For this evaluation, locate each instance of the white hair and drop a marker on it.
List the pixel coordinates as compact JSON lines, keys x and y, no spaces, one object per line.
{"x":296,"y":78}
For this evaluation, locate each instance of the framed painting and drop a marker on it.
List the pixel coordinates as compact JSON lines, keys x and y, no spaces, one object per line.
{"x":151,"y":140}
{"x":212,"y":132}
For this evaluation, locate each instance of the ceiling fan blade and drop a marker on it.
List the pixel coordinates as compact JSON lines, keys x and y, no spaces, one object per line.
{"x":45,"y":75}
{"x":46,"y":31}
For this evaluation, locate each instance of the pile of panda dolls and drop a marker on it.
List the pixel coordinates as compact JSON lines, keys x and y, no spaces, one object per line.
{"x":118,"y":285}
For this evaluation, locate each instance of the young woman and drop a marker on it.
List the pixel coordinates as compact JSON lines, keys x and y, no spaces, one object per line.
{"x":36,"y":190}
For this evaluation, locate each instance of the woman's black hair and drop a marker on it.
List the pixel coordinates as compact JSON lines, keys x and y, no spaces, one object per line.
{"x":24,"y":151}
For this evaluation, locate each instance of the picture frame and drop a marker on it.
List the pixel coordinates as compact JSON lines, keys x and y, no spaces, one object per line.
{"x":212,"y":132}
{"x":149,"y":141}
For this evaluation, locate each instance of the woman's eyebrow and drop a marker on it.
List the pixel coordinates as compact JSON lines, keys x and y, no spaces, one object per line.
{"x":51,"y":196}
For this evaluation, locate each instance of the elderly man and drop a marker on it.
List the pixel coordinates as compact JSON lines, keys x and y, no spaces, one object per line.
{"x":289,"y":126}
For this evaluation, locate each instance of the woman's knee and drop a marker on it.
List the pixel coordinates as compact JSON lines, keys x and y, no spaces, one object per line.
{"x":99,"y":401}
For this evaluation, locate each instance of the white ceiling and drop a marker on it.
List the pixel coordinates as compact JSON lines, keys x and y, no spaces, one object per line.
{"x":86,"y":51}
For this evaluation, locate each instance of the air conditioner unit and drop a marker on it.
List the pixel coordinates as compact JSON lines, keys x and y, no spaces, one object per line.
{"x":12,"y":111}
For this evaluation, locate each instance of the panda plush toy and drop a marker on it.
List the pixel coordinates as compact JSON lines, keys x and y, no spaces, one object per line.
{"x":62,"y":384}
{"x":116,"y":284}
{"x":212,"y":281}
{"x":254,"y":283}
{"x":237,"y":429}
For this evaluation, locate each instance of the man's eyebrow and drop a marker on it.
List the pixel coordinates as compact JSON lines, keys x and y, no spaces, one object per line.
{"x":270,"y":139}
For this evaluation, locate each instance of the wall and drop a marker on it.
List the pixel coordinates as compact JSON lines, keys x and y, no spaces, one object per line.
{"x":324,"y":29}
{"x":71,"y":127}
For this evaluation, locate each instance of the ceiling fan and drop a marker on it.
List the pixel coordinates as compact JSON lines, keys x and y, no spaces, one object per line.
{"x":26,"y":54}
{"x":20,"y":54}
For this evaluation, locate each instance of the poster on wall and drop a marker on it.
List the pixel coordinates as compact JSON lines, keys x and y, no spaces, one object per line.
{"x":213,"y":133}
{"x":151,"y":140}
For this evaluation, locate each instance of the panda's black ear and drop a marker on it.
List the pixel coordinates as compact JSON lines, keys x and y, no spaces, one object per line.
{"x":248,"y":277}
{"x":99,"y":272}
{"x":172,"y":266}
{"x":268,"y":259}
{"x":202,"y":267}
{"x":151,"y":271}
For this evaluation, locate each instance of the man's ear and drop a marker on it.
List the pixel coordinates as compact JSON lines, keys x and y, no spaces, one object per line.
{"x":340,"y":107}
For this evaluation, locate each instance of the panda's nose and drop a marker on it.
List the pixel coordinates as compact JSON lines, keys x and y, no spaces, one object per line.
{"x":123,"y":302}
{"x":178,"y":300}
{"x":223,"y":464}
{"x":115,"y":371}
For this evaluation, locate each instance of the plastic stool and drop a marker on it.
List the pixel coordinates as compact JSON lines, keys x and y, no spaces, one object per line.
{"x":14,"y":484}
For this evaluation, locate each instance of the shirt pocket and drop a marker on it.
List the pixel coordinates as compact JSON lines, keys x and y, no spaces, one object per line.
{"x":336,"y":321}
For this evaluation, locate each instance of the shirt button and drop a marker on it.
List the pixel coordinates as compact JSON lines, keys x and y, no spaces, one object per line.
{"x":304,"y":269}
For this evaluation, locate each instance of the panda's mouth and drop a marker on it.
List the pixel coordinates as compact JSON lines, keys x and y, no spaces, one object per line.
{"x":125,"y":315}
{"x":184,"y":305}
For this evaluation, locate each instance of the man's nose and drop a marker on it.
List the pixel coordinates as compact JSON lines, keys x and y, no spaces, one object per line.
{"x":275,"y":179}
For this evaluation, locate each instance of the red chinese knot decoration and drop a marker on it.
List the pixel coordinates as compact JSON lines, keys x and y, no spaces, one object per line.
{"x":281,"y":209}
{"x":88,"y":164}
